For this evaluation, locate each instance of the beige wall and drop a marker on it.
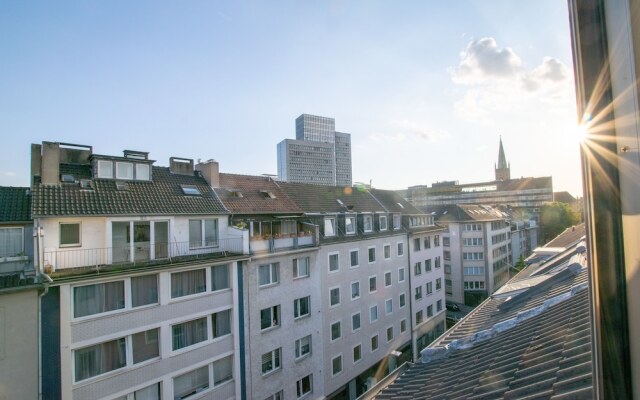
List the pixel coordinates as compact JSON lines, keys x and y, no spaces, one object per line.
{"x":19,"y":345}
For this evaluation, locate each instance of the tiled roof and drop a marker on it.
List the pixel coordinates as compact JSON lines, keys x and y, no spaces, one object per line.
{"x":250,"y":194}
{"x":393,"y":202}
{"x":563,"y":197}
{"x":319,"y":198}
{"x":568,"y":237}
{"x":162,"y":196}
{"x":15,"y":204}
{"x":532,"y":341}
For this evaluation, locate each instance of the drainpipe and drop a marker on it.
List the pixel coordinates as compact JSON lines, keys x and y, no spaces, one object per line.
{"x":40,"y":271}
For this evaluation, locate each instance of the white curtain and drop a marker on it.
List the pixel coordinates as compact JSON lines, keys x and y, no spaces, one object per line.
{"x":190,"y":383}
{"x":98,"y":298}
{"x":101,"y":358}
{"x":144,"y":290}
{"x":189,"y":333}
{"x":188,"y":282}
{"x":222,"y":370}
{"x":220,"y":277}
{"x":222,"y":323}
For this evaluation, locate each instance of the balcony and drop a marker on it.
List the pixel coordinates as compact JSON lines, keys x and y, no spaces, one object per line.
{"x":282,"y":242}
{"x":139,"y":254}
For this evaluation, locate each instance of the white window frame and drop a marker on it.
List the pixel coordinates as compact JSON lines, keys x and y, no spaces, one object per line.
{"x":331,"y":222}
{"x":386,"y":223}
{"x":276,"y":361}
{"x":354,"y":329}
{"x":272,"y":325}
{"x":377,"y":342}
{"x":386,"y":250}
{"x":375,"y":277}
{"x":365,"y":218}
{"x":103,"y":167}
{"x":337,"y":256}
{"x":388,"y":306}
{"x":120,"y":165}
{"x":299,"y":386}
{"x":333,"y":371}
{"x":402,"y":300}
{"x":358,"y":286}
{"x":20,"y":239}
{"x":353,"y":353}
{"x":297,"y":308}
{"x":79,"y":243}
{"x":142,"y":172}
{"x":353,"y":225}
{"x":357,"y":251}
{"x":401,"y":274}
{"x":331,"y":292}
{"x":369,"y":254}
{"x":275,"y":266}
{"x":339,"y":324}
{"x":387,"y":333}
{"x":372,"y":308}
{"x":299,"y":346}
{"x":387,"y":278}
{"x":400,"y":249}
{"x":298,"y":272}
{"x":403,"y":322}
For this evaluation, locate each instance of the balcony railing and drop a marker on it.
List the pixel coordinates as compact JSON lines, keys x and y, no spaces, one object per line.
{"x":143,"y":253}
{"x":275,"y":243}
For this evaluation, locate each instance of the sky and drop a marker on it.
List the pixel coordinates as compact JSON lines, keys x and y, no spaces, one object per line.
{"x":425,"y":88}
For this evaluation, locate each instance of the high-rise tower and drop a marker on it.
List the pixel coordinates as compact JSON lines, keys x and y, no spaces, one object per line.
{"x":503,"y":169}
{"x":318,"y":155}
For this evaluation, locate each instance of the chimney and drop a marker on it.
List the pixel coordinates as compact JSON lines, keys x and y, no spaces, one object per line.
{"x":181,"y":166}
{"x":36,"y":161}
{"x":210,"y":171}
{"x":50,"y":163}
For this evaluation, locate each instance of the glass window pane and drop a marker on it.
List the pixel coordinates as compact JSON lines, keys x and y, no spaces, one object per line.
{"x":211,"y":232}
{"x":189,"y":333}
{"x":191,"y":383}
{"x":188,"y":282}
{"x":99,"y":359}
{"x":98,"y":298}
{"x":222,"y":371}
{"x":69,"y":234}
{"x":195,"y":233}
{"x":221,"y":323}
{"x":144,"y":290}
{"x":145,"y":345}
{"x":219,"y":277}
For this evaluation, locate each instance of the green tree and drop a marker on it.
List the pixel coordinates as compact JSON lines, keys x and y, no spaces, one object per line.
{"x":520,"y":264}
{"x":555,"y":218}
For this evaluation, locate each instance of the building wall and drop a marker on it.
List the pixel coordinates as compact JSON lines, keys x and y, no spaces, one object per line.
{"x":343,"y":159}
{"x":307,"y":162}
{"x":19,"y":341}
{"x":347,"y":307}
{"x":282,"y":293}
{"x":425,"y":249}
{"x":455,"y":248}
{"x":79,"y":332}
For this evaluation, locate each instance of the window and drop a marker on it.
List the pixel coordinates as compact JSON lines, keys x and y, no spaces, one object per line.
{"x":350,"y":225}
{"x":438,"y":283}
{"x":372,"y":284}
{"x":427,"y":242}
{"x":429,"y":311}
{"x":417,"y":268}
{"x":354,"y":258}
{"x":276,"y":396}
{"x":418,"y":294}
{"x":98,"y":298}
{"x":355,"y":290}
{"x":271,"y":361}
{"x":388,"y":306}
{"x":402,"y":300}
{"x":447,"y":269}
{"x":304,"y":386}
{"x":222,"y":370}
{"x":373,"y":313}
{"x":270,"y":317}
{"x":148,"y":393}
{"x":403,"y":326}
{"x":99,"y":359}
{"x":221,"y":323}
{"x":336,"y":330}
{"x":368,"y":223}
{"x":437,"y":262}
{"x":124,"y":170}
{"x":144,"y":290}
{"x":387,"y":279}
{"x":330,"y":226}
{"x":105,"y":169}
{"x":389,"y":333}
{"x":334,"y":262}
{"x":219,"y":277}
{"x":357,"y":353}
{"x":427,"y":265}
{"x":190,"y":190}
{"x":336,"y":365}
{"x":268,"y":274}
{"x":303,"y":346}
{"x":302,"y":307}
{"x":436,"y":240}
{"x":401,"y":274}
{"x":70,"y":234}
{"x":188,"y":282}
{"x":446,"y":255}
{"x":142,"y":172}
{"x":193,"y":382}
{"x":416,"y":244}
{"x":429,"y":287}
{"x":419,"y":317}
{"x":372,"y":254}
{"x":188,"y":333}
{"x":400,"y":249}
{"x":203,"y":233}
{"x":145,"y":345}
{"x":301,"y":267}
{"x":334,"y":296}
{"x":374,"y":342}
{"x":11,"y":242}
{"x":446,"y":242}
{"x":383,"y":222}
{"x":387,"y":251}
{"x":439,"y":305}
{"x":355,"y":322}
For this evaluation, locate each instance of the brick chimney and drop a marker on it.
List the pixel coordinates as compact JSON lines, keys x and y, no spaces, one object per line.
{"x":210,"y":171}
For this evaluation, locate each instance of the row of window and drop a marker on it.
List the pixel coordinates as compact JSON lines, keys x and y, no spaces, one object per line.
{"x":270,"y":317}
{"x":123,"y":170}
{"x":471,"y":285}
{"x":501,"y":237}
{"x":472,"y":241}
{"x":473,"y":270}
{"x":472,"y":227}
{"x":428,"y":289}
{"x":334,"y":293}
{"x":427,"y":242}
{"x":143,"y":290}
{"x":269,"y":274}
{"x":429,"y":312}
{"x":272,"y":360}
{"x":350,"y":225}
{"x":473,"y":255}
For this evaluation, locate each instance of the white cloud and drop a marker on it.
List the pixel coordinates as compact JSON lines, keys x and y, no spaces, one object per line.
{"x":9,"y":173}
{"x":483,"y":59}
{"x":401,"y":130}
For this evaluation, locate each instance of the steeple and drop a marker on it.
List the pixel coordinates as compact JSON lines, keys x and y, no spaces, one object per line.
{"x":503,"y":170}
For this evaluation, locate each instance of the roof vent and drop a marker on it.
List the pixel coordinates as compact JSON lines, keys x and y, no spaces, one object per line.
{"x":86,"y":183}
{"x":136,"y":155}
{"x":121,"y":185}
{"x":268,"y":194}
{"x":67,"y":178}
{"x":236,"y":193}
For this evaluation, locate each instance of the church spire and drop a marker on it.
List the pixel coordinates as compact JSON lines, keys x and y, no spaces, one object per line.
{"x":503,"y":172}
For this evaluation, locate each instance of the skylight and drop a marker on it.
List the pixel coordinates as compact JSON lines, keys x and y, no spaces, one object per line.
{"x":268,"y":194}
{"x":190,"y":190}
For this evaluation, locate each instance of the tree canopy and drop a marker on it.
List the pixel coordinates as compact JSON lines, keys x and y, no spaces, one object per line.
{"x":555,"y":218}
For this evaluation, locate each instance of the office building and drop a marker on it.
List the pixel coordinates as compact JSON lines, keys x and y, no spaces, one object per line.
{"x":319,"y":155}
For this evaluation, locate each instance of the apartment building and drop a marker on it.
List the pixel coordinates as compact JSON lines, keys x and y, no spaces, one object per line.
{"x":476,"y":253}
{"x":143,"y":300}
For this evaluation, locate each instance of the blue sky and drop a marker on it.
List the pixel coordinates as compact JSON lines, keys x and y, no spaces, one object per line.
{"x":424,"y":87}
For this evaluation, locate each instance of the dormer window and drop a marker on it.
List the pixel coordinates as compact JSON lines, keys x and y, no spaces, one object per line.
{"x":396,"y":221}
{"x":329,"y":226}
{"x":350,"y":224}
{"x":190,"y":190}
{"x":383,"y":223}
{"x":267,"y":194}
{"x":142,"y":172}
{"x":368,"y":223}
{"x":105,"y":169}
{"x":124,"y":170}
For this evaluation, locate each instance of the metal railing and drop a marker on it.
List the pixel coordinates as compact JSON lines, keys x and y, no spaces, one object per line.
{"x":139,"y":254}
